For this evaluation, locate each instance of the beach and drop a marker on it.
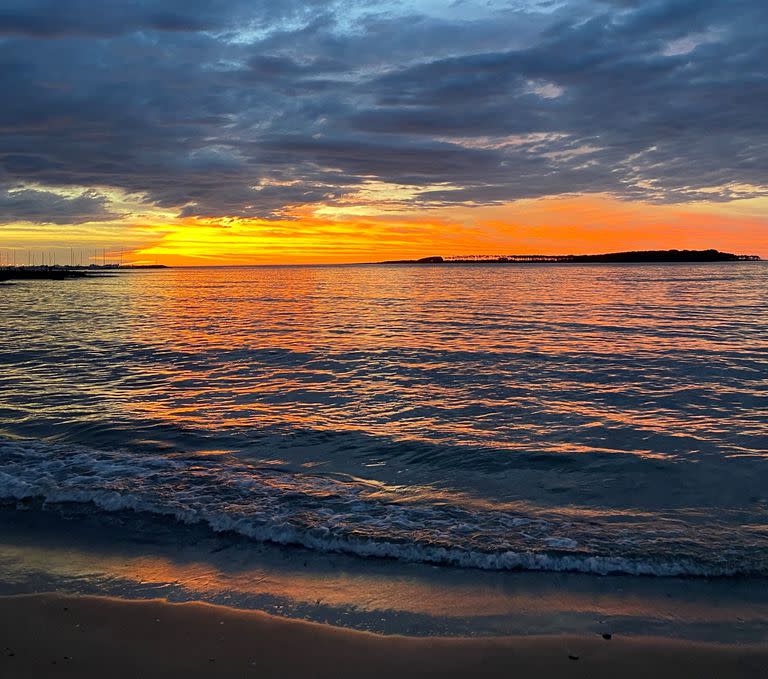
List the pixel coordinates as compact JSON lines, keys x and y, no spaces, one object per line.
{"x":64,"y":636}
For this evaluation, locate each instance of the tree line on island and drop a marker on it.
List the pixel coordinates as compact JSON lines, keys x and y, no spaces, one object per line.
{"x":634,"y":256}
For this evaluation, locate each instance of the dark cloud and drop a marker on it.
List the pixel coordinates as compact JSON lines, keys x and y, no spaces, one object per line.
{"x":107,"y":18}
{"x":247,"y":108}
{"x":45,"y":207}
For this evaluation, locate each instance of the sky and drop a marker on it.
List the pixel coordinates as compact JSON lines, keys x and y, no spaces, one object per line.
{"x":290,"y":131}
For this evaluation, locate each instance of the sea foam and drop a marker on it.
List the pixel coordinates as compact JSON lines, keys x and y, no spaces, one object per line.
{"x":326,"y":514}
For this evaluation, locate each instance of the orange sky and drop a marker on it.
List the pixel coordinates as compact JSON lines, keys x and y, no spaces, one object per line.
{"x":372,"y":232}
{"x":586,"y":224}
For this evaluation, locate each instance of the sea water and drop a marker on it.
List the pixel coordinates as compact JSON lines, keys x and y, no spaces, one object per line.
{"x":590,"y":418}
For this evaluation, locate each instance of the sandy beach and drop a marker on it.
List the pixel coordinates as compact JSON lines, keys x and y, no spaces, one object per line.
{"x":53,"y":635}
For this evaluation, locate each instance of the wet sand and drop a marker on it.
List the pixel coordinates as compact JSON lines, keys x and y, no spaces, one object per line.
{"x":66,"y":636}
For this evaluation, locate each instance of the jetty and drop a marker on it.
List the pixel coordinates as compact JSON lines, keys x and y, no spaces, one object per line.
{"x":61,"y":273}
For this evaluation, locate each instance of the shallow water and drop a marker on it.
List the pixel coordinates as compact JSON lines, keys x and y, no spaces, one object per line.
{"x":589,"y":418}
{"x":135,"y":556}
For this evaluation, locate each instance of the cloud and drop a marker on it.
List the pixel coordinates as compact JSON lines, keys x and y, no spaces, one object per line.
{"x":62,"y":18}
{"x":250,"y":109}
{"x":48,"y":207}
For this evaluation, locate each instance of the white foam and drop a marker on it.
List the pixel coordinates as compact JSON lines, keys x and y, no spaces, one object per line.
{"x":321,"y":513}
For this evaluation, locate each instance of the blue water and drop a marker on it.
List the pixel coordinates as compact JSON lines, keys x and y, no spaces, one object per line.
{"x":548,"y":417}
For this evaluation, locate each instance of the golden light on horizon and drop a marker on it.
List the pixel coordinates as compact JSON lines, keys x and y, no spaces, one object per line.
{"x":572,"y":225}
{"x":360,"y":231}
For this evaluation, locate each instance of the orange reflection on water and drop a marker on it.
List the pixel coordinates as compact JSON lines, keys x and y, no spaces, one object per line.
{"x":478,"y":355}
{"x":451,"y":597}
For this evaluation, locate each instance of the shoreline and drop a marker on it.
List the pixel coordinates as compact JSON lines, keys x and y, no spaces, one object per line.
{"x":82,"y":636}
{"x":110,"y":555}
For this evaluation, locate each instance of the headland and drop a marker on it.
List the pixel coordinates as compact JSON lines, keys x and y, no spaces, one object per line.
{"x":631,"y":257}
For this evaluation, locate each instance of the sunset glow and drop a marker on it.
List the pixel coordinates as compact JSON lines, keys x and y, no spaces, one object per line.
{"x":567,"y":225}
{"x":289,"y":132}
{"x":577,"y":225}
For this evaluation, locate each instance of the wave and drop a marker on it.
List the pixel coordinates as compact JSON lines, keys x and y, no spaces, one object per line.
{"x":329,"y":514}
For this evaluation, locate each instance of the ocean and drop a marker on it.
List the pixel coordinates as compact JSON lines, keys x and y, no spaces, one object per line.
{"x":593,"y":419}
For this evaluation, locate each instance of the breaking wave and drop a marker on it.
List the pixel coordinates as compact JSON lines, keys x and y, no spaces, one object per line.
{"x":337,"y":514}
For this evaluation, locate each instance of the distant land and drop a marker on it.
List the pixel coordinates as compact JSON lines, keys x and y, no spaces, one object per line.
{"x":59,"y":273}
{"x":121,"y":267}
{"x":635,"y":256}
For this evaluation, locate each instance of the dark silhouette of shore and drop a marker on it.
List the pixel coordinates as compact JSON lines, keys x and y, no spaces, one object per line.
{"x":636,"y":256}
{"x":60,"y":273}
